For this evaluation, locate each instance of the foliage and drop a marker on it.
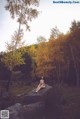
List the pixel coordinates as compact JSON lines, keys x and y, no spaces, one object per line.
{"x":23,"y":10}
{"x":12,"y":59}
{"x":42,"y":56}
{"x":16,"y":41}
{"x":41,"y":39}
{"x":55,"y":33}
{"x":50,"y":59}
{"x":58,"y":61}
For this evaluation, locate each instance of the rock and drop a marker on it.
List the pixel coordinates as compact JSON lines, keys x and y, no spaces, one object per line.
{"x":34,"y":111}
{"x":31,"y":105}
{"x":14,"y":111}
{"x":42,"y":95}
{"x":31,"y":111}
{"x":33,"y":97}
{"x":41,"y":92}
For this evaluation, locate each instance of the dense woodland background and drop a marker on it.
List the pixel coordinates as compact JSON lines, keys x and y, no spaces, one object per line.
{"x":56,"y":59}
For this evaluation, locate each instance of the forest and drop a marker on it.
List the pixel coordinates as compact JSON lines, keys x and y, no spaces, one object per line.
{"x":56,"y":59}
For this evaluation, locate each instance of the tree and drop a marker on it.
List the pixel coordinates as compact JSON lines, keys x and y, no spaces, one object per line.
{"x":5,"y":75}
{"x":74,"y":26}
{"x":12,"y":57}
{"x":32,"y":52}
{"x":41,"y":39}
{"x":55,"y":33}
{"x":23,"y":10}
{"x":73,"y":41}
{"x":16,"y":41}
{"x":10,"y":60}
{"x":41,"y":59}
{"x":50,"y":60}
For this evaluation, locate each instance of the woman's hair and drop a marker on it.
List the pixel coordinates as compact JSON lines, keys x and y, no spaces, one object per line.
{"x":41,"y":81}
{"x":42,"y":77}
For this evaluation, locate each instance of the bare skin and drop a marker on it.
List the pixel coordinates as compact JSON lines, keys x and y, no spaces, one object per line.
{"x":41,"y":85}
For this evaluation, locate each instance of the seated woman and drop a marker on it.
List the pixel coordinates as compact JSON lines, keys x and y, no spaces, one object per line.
{"x":41,"y":85}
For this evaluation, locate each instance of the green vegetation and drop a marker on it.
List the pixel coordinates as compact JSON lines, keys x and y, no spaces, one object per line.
{"x":57,"y":60}
{"x":22,"y":89}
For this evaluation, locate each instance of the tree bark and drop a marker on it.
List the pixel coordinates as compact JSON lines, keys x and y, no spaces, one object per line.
{"x":73,"y":57}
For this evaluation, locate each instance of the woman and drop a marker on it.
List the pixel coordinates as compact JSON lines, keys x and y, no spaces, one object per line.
{"x":41,"y":85}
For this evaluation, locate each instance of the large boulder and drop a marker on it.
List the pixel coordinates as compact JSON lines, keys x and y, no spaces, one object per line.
{"x":31,"y":111}
{"x":34,"y":111}
{"x":33,"y":96}
{"x":31,"y":105}
{"x":15,"y":111}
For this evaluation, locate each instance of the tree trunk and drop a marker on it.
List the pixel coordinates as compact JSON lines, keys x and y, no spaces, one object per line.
{"x":8,"y":85}
{"x":9,"y":79}
{"x":73,"y":57}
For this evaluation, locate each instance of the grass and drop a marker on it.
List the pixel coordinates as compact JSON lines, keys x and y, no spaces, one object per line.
{"x":19,"y":89}
{"x":22,"y":89}
{"x":13,"y":92}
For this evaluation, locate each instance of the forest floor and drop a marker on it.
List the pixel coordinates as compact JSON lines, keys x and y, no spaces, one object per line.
{"x":64,"y":103}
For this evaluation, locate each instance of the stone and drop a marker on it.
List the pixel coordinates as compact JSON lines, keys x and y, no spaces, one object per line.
{"x":31,"y":105}
{"x":34,"y":111}
{"x":33,"y":96}
{"x":14,"y":111}
{"x":31,"y":111}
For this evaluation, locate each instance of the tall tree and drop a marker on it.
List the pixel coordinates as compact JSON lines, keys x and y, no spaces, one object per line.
{"x":73,"y":42}
{"x":55,"y":33}
{"x":42,"y":59}
{"x":41,"y":39}
{"x":12,"y":57}
{"x":23,"y":10}
{"x":16,"y":41}
{"x":5,"y":75}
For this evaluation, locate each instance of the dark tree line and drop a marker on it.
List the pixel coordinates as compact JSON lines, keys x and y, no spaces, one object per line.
{"x":57,"y":60}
